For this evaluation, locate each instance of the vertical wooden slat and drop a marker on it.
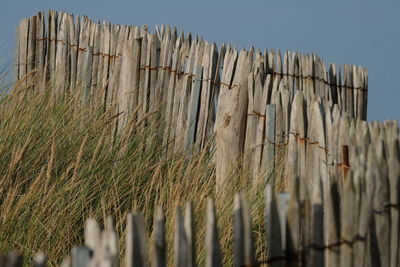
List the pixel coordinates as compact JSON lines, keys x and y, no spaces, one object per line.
{"x":184,"y":98}
{"x":394,"y":185}
{"x":171,"y":97}
{"x":95,"y":36}
{"x":159,"y":244}
{"x":31,"y":49}
{"x":73,"y":48}
{"x":214,"y":94}
{"x":282,"y":203}
{"x":23,"y":47}
{"x":253,"y":80}
{"x":280,"y":147}
{"x":243,"y":239}
{"x":115,"y":30}
{"x":190,"y":235}
{"x":209,"y":62}
{"x":230,"y":122}
{"x":181,"y":68}
{"x":61,"y":58}
{"x":259,"y":113}
{"x":273,"y":229}
{"x":152,"y":63}
{"x":162,"y":75}
{"x":80,"y":257}
{"x":104,"y":71}
{"x":361,"y":246}
{"x":347,"y":227}
{"x":40,"y":47}
{"x":292,"y":158}
{"x":40,"y":260}
{"x":268,"y":161}
{"x":125,"y":90}
{"x":293,"y":238}
{"x":143,"y":94}
{"x":317,"y":229}
{"x":87,"y":75}
{"x":331,"y":224}
{"x":110,"y":242}
{"x":83,"y":45}
{"x":16,"y":55}
{"x":213,"y":253}
{"x":194,"y":107}
{"x":181,"y":253}
{"x":92,"y":234}
{"x":381,"y":196}
{"x":136,"y":244}
{"x":11,"y":259}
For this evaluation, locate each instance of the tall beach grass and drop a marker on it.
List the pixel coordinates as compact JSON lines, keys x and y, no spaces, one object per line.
{"x":60,"y":164}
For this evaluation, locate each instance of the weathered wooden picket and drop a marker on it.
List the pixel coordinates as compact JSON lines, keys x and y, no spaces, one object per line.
{"x":289,"y":118}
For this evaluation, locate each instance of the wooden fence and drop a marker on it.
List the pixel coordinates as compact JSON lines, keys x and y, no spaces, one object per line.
{"x":288,"y":118}
{"x":342,"y":222}
{"x":199,"y":90}
{"x":342,"y":213}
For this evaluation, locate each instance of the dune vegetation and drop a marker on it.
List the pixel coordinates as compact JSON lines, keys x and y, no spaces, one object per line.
{"x":61,"y":164}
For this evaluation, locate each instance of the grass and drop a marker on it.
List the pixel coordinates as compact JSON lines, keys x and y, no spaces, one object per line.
{"x":59,"y":166}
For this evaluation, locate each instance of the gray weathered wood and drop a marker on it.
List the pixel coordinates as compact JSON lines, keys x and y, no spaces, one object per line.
{"x":282,"y":203}
{"x":181,"y":252}
{"x":243,"y":240}
{"x":394,"y":185}
{"x":194,"y":107}
{"x":159,"y":243}
{"x":23,"y":47}
{"x":136,"y":243}
{"x":268,"y":161}
{"x":381,"y":196}
{"x":317,"y":234}
{"x":40,"y":260}
{"x":331,"y":224}
{"x":293,"y":238}
{"x":87,"y":76}
{"x":347,"y":227}
{"x":80,"y":257}
{"x":273,"y":229}
{"x":92,"y":234}
{"x":10,"y":259}
{"x":190,"y":235}
{"x":213,"y":253}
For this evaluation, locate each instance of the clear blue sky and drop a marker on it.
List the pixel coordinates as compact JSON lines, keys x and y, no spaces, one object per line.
{"x":359,"y":32}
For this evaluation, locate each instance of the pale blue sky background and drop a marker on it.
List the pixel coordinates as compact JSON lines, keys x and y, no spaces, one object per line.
{"x":365,"y":33}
